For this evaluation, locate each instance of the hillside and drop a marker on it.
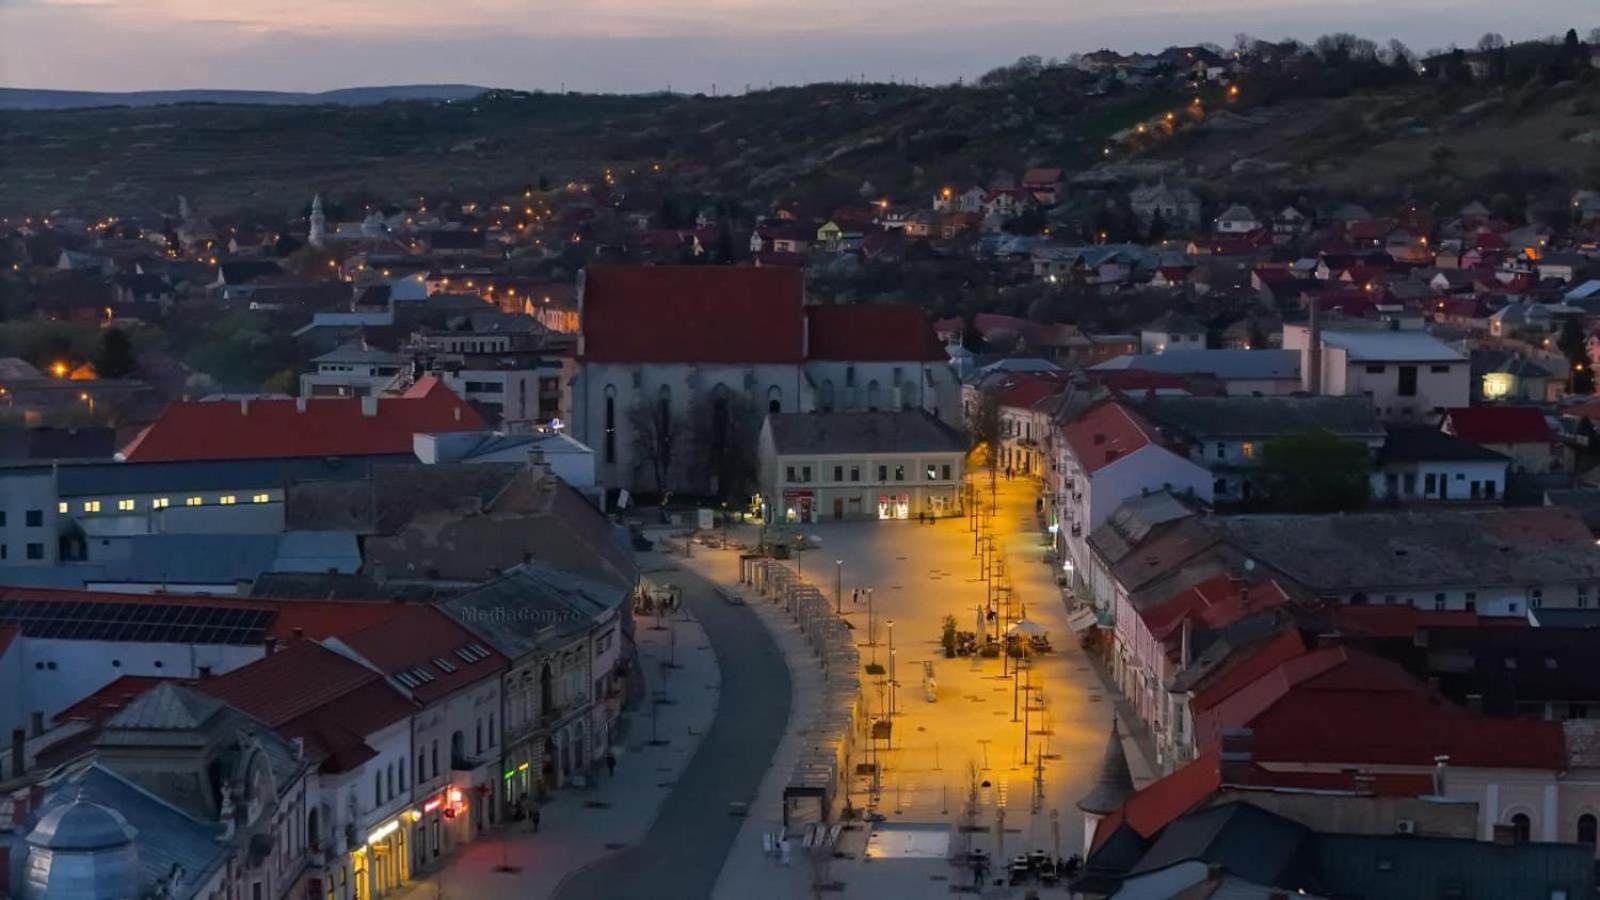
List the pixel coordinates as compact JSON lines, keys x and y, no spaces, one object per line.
{"x":29,"y":98}
{"x":822,"y":142}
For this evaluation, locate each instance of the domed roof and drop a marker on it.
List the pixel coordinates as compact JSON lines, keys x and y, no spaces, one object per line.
{"x":81,"y":826}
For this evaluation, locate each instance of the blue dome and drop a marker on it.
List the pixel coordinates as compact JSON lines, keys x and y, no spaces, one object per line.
{"x":81,"y":826}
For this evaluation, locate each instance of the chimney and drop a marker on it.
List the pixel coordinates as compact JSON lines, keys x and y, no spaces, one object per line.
{"x":1314,"y":352}
{"x":1186,"y":644}
{"x":19,"y":755}
{"x":205,"y":672}
{"x":458,"y":413}
{"x":298,"y":633}
{"x":36,"y":722}
{"x":244,"y":406}
{"x":270,"y":644}
{"x":300,"y":404}
{"x":1440,"y":765}
{"x":1237,"y":758}
{"x":369,"y":406}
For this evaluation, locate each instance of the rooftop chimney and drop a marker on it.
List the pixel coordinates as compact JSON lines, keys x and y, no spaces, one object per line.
{"x":244,"y":406}
{"x":299,"y":404}
{"x":298,"y":632}
{"x":1440,"y":765}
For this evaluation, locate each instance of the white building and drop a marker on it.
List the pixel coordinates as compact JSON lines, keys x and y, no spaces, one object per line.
{"x":1237,"y":219}
{"x":862,"y":465}
{"x":1411,"y":376}
{"x":354,"y":370}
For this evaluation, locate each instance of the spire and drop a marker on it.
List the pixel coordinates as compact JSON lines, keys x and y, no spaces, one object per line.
{"x":318,"y":222}
{"x":1115,"y":783}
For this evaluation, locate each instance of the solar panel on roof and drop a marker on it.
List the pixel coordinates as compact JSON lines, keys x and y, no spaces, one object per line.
{"x":136,"y":620}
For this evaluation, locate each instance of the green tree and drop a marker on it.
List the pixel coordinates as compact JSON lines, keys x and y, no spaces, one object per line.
{"x":1316,"y":472}
{"x":115,"y":358}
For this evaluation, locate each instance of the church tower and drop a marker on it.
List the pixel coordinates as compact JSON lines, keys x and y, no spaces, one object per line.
{"x":319,"y":222}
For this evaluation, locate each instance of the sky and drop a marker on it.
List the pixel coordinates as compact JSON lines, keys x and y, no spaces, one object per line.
{"x":647,"y":45}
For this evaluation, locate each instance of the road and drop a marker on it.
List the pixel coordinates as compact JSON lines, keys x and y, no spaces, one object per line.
{"x":684,"y":850}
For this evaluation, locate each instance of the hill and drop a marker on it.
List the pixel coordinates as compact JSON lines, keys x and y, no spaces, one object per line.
{"x":27,"y":98}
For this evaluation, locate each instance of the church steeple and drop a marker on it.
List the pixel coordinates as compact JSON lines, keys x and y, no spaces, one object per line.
{"x":319,"y":222}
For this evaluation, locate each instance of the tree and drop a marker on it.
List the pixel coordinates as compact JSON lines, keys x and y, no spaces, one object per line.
{"x":1491,"y":41}
{"x":1574,"y":345}
{"x":656,"y":441}
{"x":984,"y":427}
{"x":115,"y":358}
{"x":1316,"y":472}
{"x":725,"y":428}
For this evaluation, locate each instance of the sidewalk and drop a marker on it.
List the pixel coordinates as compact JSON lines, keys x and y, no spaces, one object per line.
{"x":581,"y":826}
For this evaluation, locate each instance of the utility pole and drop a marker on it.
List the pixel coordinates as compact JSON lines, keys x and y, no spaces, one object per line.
{"x":838,"y":587}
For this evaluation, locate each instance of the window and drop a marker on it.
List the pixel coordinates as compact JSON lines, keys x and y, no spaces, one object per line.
{"x":1430,"y":483}
{"x":160,"y":503}
{"x":855,"y":473}
{"x":1521,"y":828}
{"x":1488,"y":490}
{"x":377,"y":788}
{"x":4,"y":551}
{"x":34,"y":518}
{"x":435,"y":757}
{"x":36,"y":551}
{"x":477,"y":736}
{"x":391,"y":780}
{"x":1439,"y":370}
{"x":227,"y":499}
{"x":191,"y":501}
{"x":1536,"y":598}
{"x":62,"y":507}
{"x":125,"y":505}
{"x":91,"y":506}
{"x":838,"y":473}
{"x":1374,"y":370}
{"x":899,"y":473}
{"x":422,"y":766}
{"x":1586,"y":829}
{"x":1248,"y":449}
{"x":883,"y":473}
{"x":1408,"y":381}
{"x":1438,"y":601}
{"x":788,"y":473}
{"x":402,"y":774}
{"x":933,"y":473}
{"x":261,"y":498}
{"x":1409,"y":480}
{"x":805,"y":473}
{"x":611,"y":424}
{"x":1222,"y":450}
{"x":944,"y":471}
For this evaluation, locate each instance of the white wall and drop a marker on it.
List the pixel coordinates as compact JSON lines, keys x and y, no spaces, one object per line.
{"x":21,"y":492}
{"x":49,"y":674}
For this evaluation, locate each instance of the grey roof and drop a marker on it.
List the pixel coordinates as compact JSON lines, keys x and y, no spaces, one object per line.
{"x":863,"y":432}
{"x":167,"y":706}
{"x":1584,"y":502}
{"x":1411,"y":549}
{"x":1425,"y":444}
{"x":532,"y":607}
{"x":1391,"y":346}
{"x":1239,"y":838}
{"x":185,"y":558}
{"x":356,"y":353}
{"x":1114,"y":784}
{"x":1356,"y":865}
{"x":1246,"y":417}
{"x":1485,"y":360}
{"x":1133,"y":521}
{"x":108,"y":478}
{"x":164,"y":835}
{"x":1224,"y":364}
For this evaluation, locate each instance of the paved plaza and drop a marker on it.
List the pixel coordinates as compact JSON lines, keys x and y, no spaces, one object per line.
{"x":673,"y":823}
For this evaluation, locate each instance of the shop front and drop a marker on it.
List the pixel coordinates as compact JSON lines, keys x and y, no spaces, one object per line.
{"x":799,"y":506}
{"x":383,"y":862}
{"x":441,"y":825}
{"x":894,"y":506}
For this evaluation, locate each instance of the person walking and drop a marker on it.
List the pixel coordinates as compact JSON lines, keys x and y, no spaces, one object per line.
{"x":534,"y":818}
{"x":611,"y":765}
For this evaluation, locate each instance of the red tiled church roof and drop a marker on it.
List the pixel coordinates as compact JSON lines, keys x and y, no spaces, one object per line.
{"x":872,"y":333}
{"x":315,"y":426}
{"x":699,"y":314}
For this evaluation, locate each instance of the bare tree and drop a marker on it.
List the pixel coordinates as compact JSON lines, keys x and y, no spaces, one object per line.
{"x":1491,"y":41}
{"x":658,"y":439}
{"x":725,"y":428}
{"x":984,"y":427}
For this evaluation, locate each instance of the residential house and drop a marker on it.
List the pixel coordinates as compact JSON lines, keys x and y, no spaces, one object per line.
{"x":1043,"y":184}
{"x":1507,"y":376}
{"x":1237,"y":220}
{"x":1172,"y":331}
{"x":1176,"y":206}
{"x":353,"y":370}
{"x":1521,"y":433}
{"x":1229,"y":436}
{"x":1422,"y":464}
{"x":860,"y":465}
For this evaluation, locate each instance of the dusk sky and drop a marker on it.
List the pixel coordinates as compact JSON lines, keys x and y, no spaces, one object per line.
{"x":640,"y":45}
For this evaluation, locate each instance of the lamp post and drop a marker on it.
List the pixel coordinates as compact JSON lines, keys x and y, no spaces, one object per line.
{"x":872,"y":628}
{"x":1027,"y":686}
{"x":838,"y":587}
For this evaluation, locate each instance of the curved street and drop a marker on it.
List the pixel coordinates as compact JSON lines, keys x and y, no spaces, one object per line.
{"x":685,"y":848}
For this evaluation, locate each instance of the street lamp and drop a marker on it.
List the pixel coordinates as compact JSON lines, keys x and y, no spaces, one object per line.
{"x":872,"y":628}
{"x":838,"y":587}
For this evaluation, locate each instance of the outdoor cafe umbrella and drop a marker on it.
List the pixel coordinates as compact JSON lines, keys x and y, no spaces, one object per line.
{"x":1027,"y":627}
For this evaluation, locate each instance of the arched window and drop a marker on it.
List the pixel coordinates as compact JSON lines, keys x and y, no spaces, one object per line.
{"x":775,"y":399}
{"x":1587,"y":825}
{"x":872,"y":396}
{"x":1521,"y":827}
{"x":825,"y":395}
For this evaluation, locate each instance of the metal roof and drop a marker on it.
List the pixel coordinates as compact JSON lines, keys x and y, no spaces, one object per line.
{"x":142,"y":622}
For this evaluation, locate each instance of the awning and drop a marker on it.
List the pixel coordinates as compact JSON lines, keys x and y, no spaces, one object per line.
{"x":1082,"y":618}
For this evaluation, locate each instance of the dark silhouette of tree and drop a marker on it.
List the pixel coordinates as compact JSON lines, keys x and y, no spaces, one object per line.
{"x":984,"y":427}
{"x":115,"y":358}
{"x":1316,"y":472}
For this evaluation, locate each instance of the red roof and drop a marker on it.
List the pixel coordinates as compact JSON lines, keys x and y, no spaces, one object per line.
{"x":416,"y":638}
{"x":109,"y":700}
{"x":1286,"y":645}
{"x":1105,"y":434}
{"x":700,"y":314}
{"x":1275,"y":275}
{"x":311,"y":692}
{"x":1347,"y":707}
{"x":1369,"y":230}
{"x":1498,"y":425}
{"x":872,"y":333}
{"x":1488,"y":240}
{"x":989,"y":323}
{"x":1214,"y":603}
{"x":1405,"y":620}
{"x":1021,"y":390}
{"x":316,"y":426}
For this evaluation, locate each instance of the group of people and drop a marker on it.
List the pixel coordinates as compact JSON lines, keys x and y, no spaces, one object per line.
{"x":524,"y":811}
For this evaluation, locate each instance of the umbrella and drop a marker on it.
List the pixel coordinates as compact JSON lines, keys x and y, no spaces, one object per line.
{"x":1024,"y":626}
